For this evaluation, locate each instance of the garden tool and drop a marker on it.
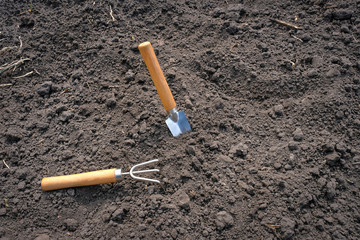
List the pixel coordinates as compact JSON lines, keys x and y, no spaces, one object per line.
{"x":176,"y":122}
{"x":95,"y":177}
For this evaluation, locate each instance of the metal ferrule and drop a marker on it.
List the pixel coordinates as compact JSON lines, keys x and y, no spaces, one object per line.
{"x":117,"y":174}
{"x":173,"y":114}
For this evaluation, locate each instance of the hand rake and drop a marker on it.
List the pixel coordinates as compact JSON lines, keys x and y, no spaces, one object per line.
{"x":95,"y":177}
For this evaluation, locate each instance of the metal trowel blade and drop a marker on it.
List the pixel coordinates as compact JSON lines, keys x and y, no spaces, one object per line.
{"x":179,"y":127}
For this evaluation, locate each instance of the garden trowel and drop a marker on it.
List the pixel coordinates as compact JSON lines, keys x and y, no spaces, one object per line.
{"x":177,"y":122}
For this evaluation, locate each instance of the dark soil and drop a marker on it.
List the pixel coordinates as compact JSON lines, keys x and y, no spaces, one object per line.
{"x":275,"y":111}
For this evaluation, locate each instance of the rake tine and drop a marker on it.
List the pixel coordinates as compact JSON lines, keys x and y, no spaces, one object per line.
{"x":142,"y":171}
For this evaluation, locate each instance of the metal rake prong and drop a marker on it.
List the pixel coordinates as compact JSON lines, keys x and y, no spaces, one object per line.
{"x":142,"y":171}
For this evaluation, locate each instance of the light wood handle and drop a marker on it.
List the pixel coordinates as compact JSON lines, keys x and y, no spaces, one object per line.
{"x":148,"y":54}
{"x":78,"y":180}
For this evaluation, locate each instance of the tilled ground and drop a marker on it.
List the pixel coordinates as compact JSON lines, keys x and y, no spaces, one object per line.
{"x":270,"y":88}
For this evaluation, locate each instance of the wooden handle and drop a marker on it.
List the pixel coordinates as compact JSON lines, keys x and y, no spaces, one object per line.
{"x":148,"y":54}
{"x":78,"y":180}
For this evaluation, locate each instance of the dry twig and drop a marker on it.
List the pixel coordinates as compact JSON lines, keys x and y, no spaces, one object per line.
{"x":21,"y":44}
{"x":25,"y":75}
{"x":5,"y":164}
{"x":111,"y":14}
{"x":285,"y":24}
{"x":297,"y":38}
{"x":5,"y":49}
{"x":273,"y":227}
{"x":13,"y":64}
{"x":5,"y":84}
{"x":349,"y":181}
{"x":6,"y":202}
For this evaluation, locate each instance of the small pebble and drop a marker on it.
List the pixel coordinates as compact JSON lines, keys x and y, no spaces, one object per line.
{"x":77,"y":74}
{"x":233,"y":28}
{"x":190,"y":150}
{"x":142,"y":128}
{"x":129,"y":142}
{"x":314,"y":171}
{"x":332,"y":159}
{"x":170,"y":74}
{"x":277,"y":166}
{"x":218,"y":103}
{"x":287,"y":167}
{"x":331,"y":189}
{"x":263,"y":206}
{"x":215,"y":145}
{"x":13,"y":135}
{"x":342,"y":14}
{"x":328,"y":147}
{"x":306,"y":37}
{"x":111,"y":102}
{"x":239,"y":150}
{"x":232,"y":199}
{"x":70,"y":192}
{"x":44,"y":89}
{"x":182,"y":199}
{"x":66,"y":116}
{"x":119,"y":215}
{"x":334,"y":59}
{"x":21,"y":185}
{"x":253,"y":170}
{"x":129,"y":76}
{"x":333,"y":72}
{"x":224,"y":158}
{"x":298,"y":135}
{"x":344,"y":29}
{"x":223,"y":220}
{"x":320,"y":225}
{"x":322,"y":182}
{"x":37,"y":196}
{"x":341,"y":147}
{"x":312,"y":73}
{"x":151,"y":190}
{"x":339,"y":114}
{"x":188,"y":103}
{"x":71,"y":224}
{"x":279,"y":110}
{"x":287,"y":227}
{"x":292,"y":146}
{"x":22,"y":173}
{"x":305,"y":199}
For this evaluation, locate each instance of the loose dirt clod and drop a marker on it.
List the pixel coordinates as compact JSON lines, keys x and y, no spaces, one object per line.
{"x":223,"y":220}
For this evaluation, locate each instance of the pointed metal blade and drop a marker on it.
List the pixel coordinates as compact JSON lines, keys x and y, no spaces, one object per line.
{"x":179,"y":127}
